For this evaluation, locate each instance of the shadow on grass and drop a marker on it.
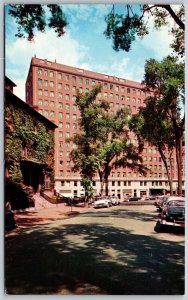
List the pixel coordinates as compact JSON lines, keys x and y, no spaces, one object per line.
{"x":92,"y":259}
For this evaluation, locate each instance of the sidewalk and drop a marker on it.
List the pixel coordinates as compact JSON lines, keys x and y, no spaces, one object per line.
{"x":41,"y":216}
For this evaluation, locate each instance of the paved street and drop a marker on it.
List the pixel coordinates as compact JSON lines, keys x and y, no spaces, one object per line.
{"x":104,"y":251}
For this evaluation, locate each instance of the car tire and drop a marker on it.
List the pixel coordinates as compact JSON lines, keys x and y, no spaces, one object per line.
{"x":158,"y":227}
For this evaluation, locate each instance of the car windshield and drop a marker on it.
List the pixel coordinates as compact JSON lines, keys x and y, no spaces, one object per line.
{"x":176,"y":203}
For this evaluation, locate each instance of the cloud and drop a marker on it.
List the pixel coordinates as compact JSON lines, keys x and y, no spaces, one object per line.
{"x":65,"y":50}
{"x":158,"y":40}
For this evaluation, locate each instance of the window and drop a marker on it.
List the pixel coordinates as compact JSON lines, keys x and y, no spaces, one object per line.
{"x":60,"y":125}
{"x":46,"y":113}
{"x":45,"y":73}
{"x":60,"y":134}
{"x":60,"y":105}
{"x":67,"y":154}
{"x":51,"y":83}
{"x":51,"y":94}
{"x":93,"y":83}
{"x":73,"y":88}
{"x":117,"y":105}
{"x":75,"y":183}
{"x":73,"y":98}
{"x":138,"y":92}
{"x":67,"y":106}
{"x":67,"y":87}
{"x":45,"y":93}
{"x":113,"y":183}
{"x":67,"y":97}
{"x":105,"y":85}
{"x":60,"y":115}
{"x":45,"y":102}
{"x":61,"y":163}
{"x":139,"y":100}
{"x":39,"y":92}
{"x":128,"y":99}
{"x":111,"y":104}
{"x":73,"y":79}
{"x":117,"y":88}
{"x":117,"y":97}
{"x":128,"y":90}
{"x":111,"y":86}
{"x":61,"y":153}
{"x":39,"y":81}
{"x":111,"y":95}
{"x":134,"y":100}
{"x":52,"y":114}
{"x":39,"y":71}
{"x":74,"y":126}
{"x":67,"y":134}
{"x":51,"y":104}
{"x":122,"y":89}
{"x":59,"y":76}
{"x":74,"y":107}
{"x":80,"y":89}
{"x":40,"y":102}
{"x":63,"y":183}
{"x":67,"y":77}
{"x":105,"y":95}
{"x":45,"y":82}
{"x":80,"y":80}
{"x":99,"y":95}
{"x":134,"y":91}
{"x":51,"y":74}
{"x":68,"y":116}
{"x":122,"y":98}
{"x":74,"y":117}
{"x":87,"y":81}
{"x":87,"y":90}
{"x":60,"y":144}
{"x":60,"y":95}
{"x":119,"y":183}
{"x":59,"y":86}
{"x":67,"y":125}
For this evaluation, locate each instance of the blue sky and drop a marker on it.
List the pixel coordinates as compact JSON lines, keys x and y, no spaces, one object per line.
{"x":83,"y":45}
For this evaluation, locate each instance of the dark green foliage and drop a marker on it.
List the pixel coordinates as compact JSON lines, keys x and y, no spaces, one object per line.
{"x":124,"y":28}
{"x":23,"y":133}
{"x":33,"y":17}
{"x":18,"y":194}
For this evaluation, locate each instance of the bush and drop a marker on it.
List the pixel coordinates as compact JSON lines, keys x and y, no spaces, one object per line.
{"x":19,"y":195}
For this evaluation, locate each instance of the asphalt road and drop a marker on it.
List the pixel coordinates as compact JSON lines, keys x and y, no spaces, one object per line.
{"x":109,"y":251}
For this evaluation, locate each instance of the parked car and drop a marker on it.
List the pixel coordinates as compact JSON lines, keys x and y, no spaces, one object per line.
{"x":173,"y":213}
{"x":102,"y":202}
{"x":115,"y":200}
{"x":134,"y":198}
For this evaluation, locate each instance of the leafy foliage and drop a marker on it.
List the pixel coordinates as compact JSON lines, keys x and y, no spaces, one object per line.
{"x":34,"y":17}
{"x":21,"y":136}
{"x":161,"y":122}
{"x":123,"y":28}
{"x":103,"y":142}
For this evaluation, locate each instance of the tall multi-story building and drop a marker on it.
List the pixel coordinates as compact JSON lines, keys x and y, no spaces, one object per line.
{"x":51,"y":89}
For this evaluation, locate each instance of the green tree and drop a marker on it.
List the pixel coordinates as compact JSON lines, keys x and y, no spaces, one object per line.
{"x":30,"y":18}
{"x":162,"y":121}
{"x":124,"y":28}
{"x":103,"y":141}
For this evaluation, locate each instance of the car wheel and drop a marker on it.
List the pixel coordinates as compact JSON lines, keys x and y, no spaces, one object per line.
{"x":158,"y":227}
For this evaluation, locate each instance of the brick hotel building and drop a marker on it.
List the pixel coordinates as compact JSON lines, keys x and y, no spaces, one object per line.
{"x":51,"y":90}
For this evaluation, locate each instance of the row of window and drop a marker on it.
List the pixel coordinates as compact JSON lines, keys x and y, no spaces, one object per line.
{"x":87,"y":81}
{"x":67,"y":183}
{"x":60,"y":115}
{"x":59,"y":104}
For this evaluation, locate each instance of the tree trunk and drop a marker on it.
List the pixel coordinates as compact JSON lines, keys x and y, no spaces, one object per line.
{"x":179,"y":163}
{"x":101,"y":182}
{"x":106,"y":185}
{"x":167,"y":170}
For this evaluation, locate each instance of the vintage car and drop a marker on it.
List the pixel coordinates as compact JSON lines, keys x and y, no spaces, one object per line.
{"x":115,"y":200}
{"x":102,"y":202}
{"x":173,"y":213}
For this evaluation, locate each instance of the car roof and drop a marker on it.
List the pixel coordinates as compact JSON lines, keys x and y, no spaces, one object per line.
{"x":179,"y":198}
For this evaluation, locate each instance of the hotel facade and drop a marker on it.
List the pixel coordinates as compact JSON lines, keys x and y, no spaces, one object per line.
{"x":51,"y":89}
